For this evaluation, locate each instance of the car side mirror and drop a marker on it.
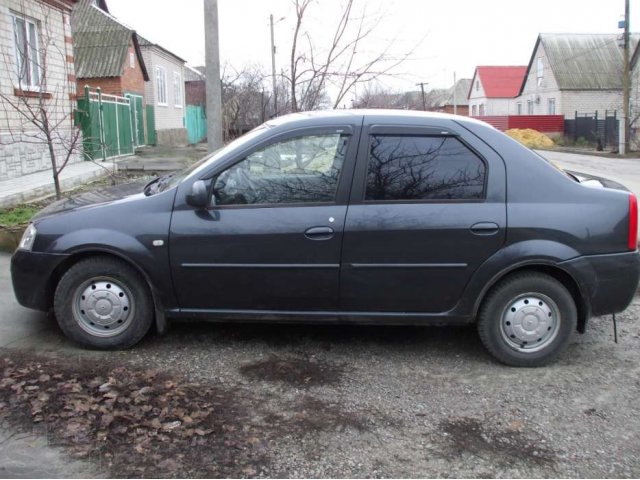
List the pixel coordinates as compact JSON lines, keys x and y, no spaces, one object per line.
{"x":199,"y":195}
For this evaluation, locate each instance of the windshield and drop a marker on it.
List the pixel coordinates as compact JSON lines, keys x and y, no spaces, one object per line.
{"x":171,"y":180}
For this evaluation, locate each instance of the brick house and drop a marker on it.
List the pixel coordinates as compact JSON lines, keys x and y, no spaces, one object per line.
{"x":108,"y":56}
{"x":494,"y":89}
{"x":36,"y":51}
{"x":571,"y":72}
{"x":165,"y":92}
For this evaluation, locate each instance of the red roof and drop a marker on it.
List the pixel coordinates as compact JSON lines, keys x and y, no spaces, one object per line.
{"x":501,"y":82}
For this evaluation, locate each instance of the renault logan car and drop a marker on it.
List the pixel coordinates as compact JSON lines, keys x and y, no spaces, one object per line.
{"x":347,"y":216}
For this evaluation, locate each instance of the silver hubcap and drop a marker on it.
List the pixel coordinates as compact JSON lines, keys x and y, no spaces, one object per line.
{"x":103,"y":307}
{"x":530,"y":323}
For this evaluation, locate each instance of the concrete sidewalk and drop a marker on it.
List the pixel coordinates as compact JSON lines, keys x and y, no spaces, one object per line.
{"x":148,"y":160}
{"x":40,"y":184}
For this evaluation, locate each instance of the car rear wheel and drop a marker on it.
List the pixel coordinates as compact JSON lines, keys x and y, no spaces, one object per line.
{"x":526,"y":320}
{"x":103,"y":303}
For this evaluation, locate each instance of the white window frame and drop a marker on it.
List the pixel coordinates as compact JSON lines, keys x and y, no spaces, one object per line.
{"x":132,"y":60}
{"x":529,"y":107}
{"x":161,"y":86}
{"x":34,"y":69}
{"x":519,"y":108}
{"x":551,"y":106}
{"x":177,"y":90}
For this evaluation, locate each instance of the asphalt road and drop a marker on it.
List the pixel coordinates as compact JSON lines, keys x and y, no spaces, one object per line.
{"x":625,"y":171}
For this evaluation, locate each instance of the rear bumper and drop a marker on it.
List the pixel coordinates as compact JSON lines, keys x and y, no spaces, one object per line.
{"x":31,"y":275}
{"x":607,"y":282}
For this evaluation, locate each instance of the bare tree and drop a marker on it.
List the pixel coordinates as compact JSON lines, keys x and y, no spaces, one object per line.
{"x":341,"y":66}
{"x":375,"y":95}
{"x":40,"y":110}
{"x":245,"y":103}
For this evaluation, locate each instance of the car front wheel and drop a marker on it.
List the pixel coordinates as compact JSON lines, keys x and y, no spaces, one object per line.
{"x":527,"y":319}
{"x":103,"y":303}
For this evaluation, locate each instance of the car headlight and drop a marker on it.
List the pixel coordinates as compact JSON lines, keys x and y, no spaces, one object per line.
{"x":28,"y":237}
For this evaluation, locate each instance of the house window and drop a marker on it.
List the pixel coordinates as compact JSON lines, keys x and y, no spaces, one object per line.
{"x":177,"y":89}
{"x":477,"y":85}
{"x":539,"y":71}
{"x":481,"y":110}
{"x":473,"y":110}
{"x":551,"y":103}
{"x":529,"y":107}
{"x":132,"y":60}
{"x":25,"y":41}
{"x":519,"y":108}
{"x":161,"y":85}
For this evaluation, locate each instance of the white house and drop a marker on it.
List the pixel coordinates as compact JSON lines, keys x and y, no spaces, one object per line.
{"x":571,"y":73}
{"x":165,"y":92}
{"x":36,"y":54}
{"x":493,"y":90}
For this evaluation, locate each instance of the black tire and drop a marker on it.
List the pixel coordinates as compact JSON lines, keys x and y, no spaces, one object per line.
{"x":511,"y":321}
{"x":109,"y":286}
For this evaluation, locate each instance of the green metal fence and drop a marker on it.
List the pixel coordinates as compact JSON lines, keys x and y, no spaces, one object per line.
{"x":106,"y":125}
{"x":151,"y":126}
{"x":196,"y":123}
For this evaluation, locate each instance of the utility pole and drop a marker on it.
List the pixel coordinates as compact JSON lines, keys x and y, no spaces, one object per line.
{"x":424,"y":102}
{"x":626,"y":82}
{"x":213,"y":82}
{"x":273,"y":70}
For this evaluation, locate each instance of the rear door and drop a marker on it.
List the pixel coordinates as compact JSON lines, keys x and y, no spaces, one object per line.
{"x":427,"y":208}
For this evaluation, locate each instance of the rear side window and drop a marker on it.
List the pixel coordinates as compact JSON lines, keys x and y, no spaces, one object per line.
{"x":423,"y":168}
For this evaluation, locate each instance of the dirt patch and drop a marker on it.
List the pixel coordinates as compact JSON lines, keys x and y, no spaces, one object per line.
{"x":134,"y":423}
{"x":295,"y":371}
{"x":313,"y":414}
{"x":506,"y":446}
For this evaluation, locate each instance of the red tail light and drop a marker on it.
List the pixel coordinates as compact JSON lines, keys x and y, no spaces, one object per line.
{"x":633,"y":222}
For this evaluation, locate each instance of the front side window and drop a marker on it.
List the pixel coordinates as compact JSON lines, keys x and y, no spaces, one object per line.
{"x":423,"y":168}
{"x":519,"y":108}
{"x":529,"y":107}
{"x":161,"y":85}
{"x":300,"y":170}
{"x":552,"y":106}
{"x":25,"y":40}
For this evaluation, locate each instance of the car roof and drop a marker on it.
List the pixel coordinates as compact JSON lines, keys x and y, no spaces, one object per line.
{"x":355,"y":114}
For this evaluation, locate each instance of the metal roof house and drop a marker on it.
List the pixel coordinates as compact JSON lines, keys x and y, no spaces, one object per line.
{"x":107,"y":52}
{"x":165,"y":92}
{"x":570,"y":73}
{"x":494,"y":88}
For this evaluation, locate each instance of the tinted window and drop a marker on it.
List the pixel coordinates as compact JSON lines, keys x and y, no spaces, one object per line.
{"x":423,"y":168}
{"x":299,"y":170}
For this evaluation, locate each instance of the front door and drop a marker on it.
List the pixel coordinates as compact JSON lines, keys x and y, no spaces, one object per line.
{"x":271,"y":238}
{"x":427,"y":208}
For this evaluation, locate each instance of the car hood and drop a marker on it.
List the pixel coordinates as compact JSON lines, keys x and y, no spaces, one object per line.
{"x":95,"y":197}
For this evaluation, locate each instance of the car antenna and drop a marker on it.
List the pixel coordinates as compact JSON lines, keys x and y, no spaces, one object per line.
{"x":615,"y":329}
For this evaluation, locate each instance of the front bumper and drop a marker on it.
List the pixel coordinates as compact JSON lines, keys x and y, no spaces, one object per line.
{"x":33,"y":279}
{"x":607,"y":282}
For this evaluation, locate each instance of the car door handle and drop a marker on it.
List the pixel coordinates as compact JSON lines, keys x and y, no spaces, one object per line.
{"x":485,"y":228}
{"x":319,"y":233}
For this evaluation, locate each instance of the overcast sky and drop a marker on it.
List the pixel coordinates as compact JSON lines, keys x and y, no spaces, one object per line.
{"x":456,"y":35}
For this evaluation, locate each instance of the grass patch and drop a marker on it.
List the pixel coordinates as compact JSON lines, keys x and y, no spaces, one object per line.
{"x":11,"y":217}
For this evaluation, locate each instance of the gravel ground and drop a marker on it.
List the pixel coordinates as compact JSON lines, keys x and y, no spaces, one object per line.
{"x":360,"y":401}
